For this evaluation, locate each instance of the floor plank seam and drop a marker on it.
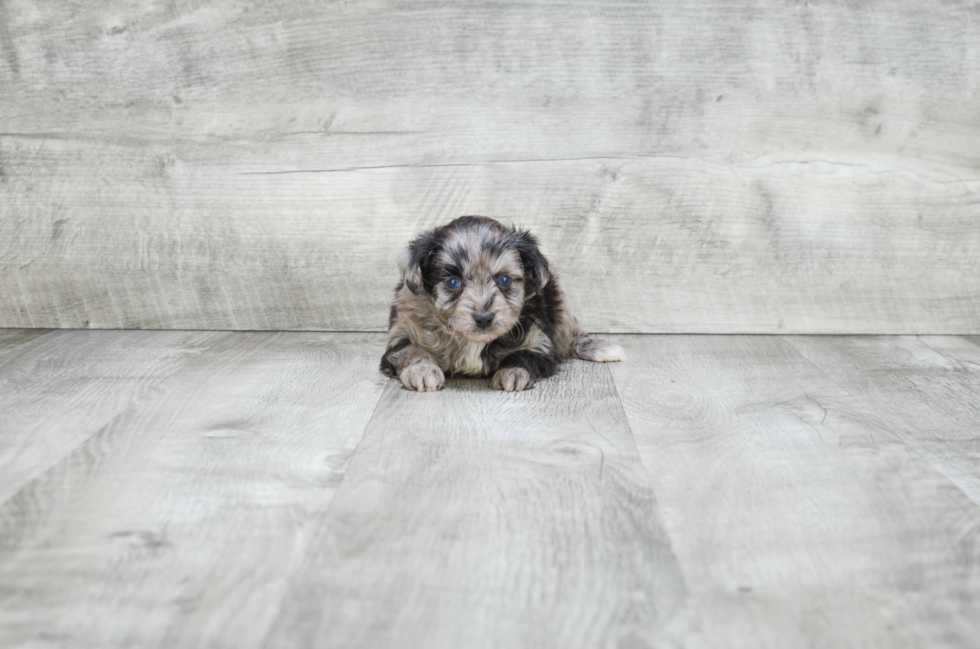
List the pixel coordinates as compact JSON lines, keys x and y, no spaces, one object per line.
{"x":111,"y":420}
{"x":685,"y":581}
{"x":912,"y":445}
{"x":333,"y":498}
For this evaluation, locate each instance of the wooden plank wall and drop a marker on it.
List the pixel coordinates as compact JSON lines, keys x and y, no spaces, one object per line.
{"x":712,"y":166}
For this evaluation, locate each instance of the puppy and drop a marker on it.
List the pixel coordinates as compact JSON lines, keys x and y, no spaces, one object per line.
{"x":477,"y":298}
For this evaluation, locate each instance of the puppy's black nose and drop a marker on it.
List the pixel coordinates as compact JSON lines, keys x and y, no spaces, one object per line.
{"x":483,"y":320}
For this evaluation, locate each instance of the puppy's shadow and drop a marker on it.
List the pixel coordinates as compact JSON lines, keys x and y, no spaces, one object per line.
{"x":468,"y":384}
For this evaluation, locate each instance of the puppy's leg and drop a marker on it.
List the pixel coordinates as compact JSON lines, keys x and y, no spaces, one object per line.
{"x":521,"y":369}
{"x":512,"y":379}
{"x":598,"y":351}
{"x":414,"y":367}
{"x":424,"y":376}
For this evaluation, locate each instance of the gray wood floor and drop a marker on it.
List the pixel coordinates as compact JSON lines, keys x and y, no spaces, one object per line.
{"x":192,"y":489}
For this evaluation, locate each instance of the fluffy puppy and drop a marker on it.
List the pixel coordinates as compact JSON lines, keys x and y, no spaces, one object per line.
{"x":477,"y":298}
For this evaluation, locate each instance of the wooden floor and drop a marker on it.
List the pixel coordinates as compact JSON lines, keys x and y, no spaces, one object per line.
{"x":212,"y":489}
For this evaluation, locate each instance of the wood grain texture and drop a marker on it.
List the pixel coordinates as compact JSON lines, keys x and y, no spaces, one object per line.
{"x":60,"y":388}
{"x":799,"y":517}
{"x":779,"y":502}
{"x":14,"y":341}
{"x":926,"y":388}
{"x":471,"y":518}
{"x":759,"y":166}
{"x":10,"y":338}
{"x":178,"y":523}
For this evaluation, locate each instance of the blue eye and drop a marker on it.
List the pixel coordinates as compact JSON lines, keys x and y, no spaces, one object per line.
{"x":504,"y":281}
{"x":453,"y":283}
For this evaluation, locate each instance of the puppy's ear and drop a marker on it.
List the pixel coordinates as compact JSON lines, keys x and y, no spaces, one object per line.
{"x":536,"y":272}
{"x":417,"y":261}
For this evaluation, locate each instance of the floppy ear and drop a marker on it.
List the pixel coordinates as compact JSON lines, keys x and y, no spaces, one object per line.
{"x":415,"y":263}
{"x":536,"y":273}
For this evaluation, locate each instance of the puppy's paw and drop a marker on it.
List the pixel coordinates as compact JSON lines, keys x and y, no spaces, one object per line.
{"x":423,"y":377}
{"x":512,"y":379}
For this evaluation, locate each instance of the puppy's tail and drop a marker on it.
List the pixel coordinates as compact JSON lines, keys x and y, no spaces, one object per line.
{"x":597,"y":351}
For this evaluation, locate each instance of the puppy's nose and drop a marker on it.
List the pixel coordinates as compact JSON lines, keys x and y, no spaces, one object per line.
{"x":483,"y":320}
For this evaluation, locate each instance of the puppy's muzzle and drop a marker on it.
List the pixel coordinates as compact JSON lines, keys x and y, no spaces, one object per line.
{"x":483,"y":320}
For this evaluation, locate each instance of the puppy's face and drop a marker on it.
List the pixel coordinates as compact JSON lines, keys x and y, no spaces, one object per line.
{"x":479,"y":289}
{"x":478,"y":274}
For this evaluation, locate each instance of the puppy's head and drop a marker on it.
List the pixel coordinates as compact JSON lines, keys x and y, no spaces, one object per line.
{"x":478,"y":274}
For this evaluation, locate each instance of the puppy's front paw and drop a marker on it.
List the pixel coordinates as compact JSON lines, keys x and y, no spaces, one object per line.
{"x":512,"y":379}
{"x":424,"y":377}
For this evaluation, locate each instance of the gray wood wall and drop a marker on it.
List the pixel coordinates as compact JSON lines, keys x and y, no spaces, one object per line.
{"x":708,"y":166}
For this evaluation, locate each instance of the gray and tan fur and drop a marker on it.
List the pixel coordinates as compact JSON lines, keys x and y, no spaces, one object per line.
{"x":477,"y":298}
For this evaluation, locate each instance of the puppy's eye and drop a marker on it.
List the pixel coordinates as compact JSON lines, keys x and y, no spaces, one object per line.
{"x":453,"y":283}
{"x":504,"y":281}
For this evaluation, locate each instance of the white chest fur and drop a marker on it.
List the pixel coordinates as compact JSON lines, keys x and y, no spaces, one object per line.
{"x":469,"y":359}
